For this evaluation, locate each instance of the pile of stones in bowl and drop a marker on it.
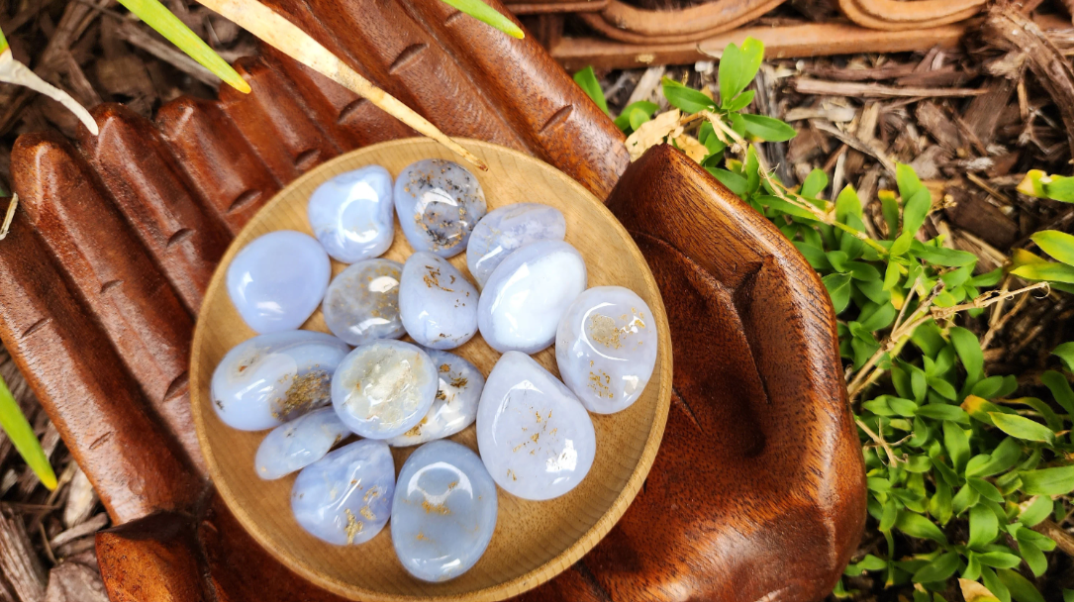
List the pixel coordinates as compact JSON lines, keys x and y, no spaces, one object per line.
{"x":534,"y":434}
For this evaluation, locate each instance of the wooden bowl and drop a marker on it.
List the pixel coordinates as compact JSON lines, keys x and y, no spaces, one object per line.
{"x":533,"y":541}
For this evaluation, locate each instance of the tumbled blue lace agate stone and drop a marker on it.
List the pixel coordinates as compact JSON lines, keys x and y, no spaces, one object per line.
{"x":606,"y":348}
{"x":527,"y":295}
{"x":278,"y":280}
{"x":443,"y":511}
{"x":345,"y":497}
{"x":351,"y":214}
{"x":298,"y":443}
{"x":362,"y":302}
{"x":437,"y":304}
{"x":455,"y":406}
{"x":439,"y":202}
{"x":536,"y":439}
{"x":269,"y":379}
{"x":384,"y":388}
{"x":505,"y":229}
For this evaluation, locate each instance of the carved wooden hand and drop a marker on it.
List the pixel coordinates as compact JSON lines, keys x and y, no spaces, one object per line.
{"x":758,"y":491}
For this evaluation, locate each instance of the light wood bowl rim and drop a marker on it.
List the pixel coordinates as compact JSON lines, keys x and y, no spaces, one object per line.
{"x":506,"y":589}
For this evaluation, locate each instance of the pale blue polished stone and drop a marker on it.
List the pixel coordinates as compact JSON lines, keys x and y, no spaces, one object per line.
{"x":351,"y":214}
{"x":439,"y":202}
{"x":527,"y":295}
{"x":536,"y":439}
{"x":299,"y":443}
{"x":443,"y":511}
{"x":278,"y":280}
{"x":437,"y":304}
{"x":269,"y":379}
{"x":455,"y":406}
{"x":606,"y":348}
{"x":345,"y":497}
{"x":362,"y":303}
{"x":505,"y":229}
{"x":384,"y":388}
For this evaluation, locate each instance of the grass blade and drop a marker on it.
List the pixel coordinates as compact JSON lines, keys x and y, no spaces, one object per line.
{"x":168,"y":25}
{"x":22,"y":436}
{"x":486,"y":14}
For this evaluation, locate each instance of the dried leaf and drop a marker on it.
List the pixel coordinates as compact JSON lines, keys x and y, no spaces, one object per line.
{"x":693,"y":149}
{"x":651,"y":133}
{"x":14,"y":72}
{"x":973,"y":591}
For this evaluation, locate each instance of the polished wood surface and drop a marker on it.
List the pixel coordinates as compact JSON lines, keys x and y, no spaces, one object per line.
{"x":533,"y":541}
{"x":749,"y":496}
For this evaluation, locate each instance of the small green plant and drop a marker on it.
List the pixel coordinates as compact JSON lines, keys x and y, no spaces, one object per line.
{"x":943,"y":441}
{"x":15,"y":425}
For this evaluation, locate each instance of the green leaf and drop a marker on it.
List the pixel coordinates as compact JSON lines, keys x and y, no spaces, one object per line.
{"x":999,"y":560}
{"x":902,"y":407}
{"x":734,"y":182}
{"x":838,"y":286}
{"x":1059,"y":245}
{"x":957,"y":443}
{"x":624,"y":120}
{"x":994,"y":585}
{"x":1034,"y":557}
{"x":586,"y":79}
{"x":1022,"y":427}
{"x":1054,"y":272}
{"x":940,"y":505}
{"x":880,"y":319}
{"x":1022,"y":590}
{"x":984,"y":527}
{"x":915,"y":525}
{"x":1068,"y":595}
{"x":889,"y":207}
{"x":915,"y":209}
{"x":638,"y":117}
{"x":1048,"y":481}
{"x":988,"y":279}
{"x":814,"y":184}
{"x":21,"y":434}
{"x":969,"y":352}
{"x":168,"y":25}
{"x":738,"y":67}
{"x":941,"y":255}
{"x":768,"y":129}
{"x":1065,"y":352}
{"x":685,"y":98}
{"x":486,"y":14}
{"x":869,"y":563}
{"x":918,"y":464}
{"x":941,"y":411}
{"x":890,"y":515}
{"x":741,"y":102}
{"x":940,"y":569}
{"x":967,"y":496}
{"x":1036,"y":512}
{"x":986,"y":489}
{"x":943,"y":387}
{"x":1060,"y":389}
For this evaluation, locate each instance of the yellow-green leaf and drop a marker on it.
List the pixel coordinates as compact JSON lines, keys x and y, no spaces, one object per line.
{"x":168,"y":25}
{"x":486,"y":14}
{"x":1022,"y":427}
{"x":587,"y":81}
{"x":1048,"y":481}
{"x":1059,"y":245}
{"x":1054,"y":272}
{"x":22,"y":437}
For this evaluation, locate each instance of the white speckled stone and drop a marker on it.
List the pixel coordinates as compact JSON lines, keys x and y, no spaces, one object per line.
{"x":362,"y":303}
{"x":443,"y":512}
{"x":269,"y":379}
{"x":439,"y":203}
{"x":299,"y":443}
{"x":351,"y":214}
{"x":345,"y":497}
{"x":527,"y":295}
{"x":606,"y":348}
{"x":536,"y":439}
{"x":455,"y":406}
{"x":384,"y":388}
{"x":437,"y":304}
{"x":505,"y":229}
{"x":278,"y":280}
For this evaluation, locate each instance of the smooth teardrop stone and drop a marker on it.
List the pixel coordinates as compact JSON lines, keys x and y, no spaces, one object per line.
{"x":606,"y":348}
{"x":351,"y":214}
{"x":384,"y":388}
{"x":536,"y":439}
{"x":278,"y":280}
{"x":299,"y":443}
{"x":269,"y":379}
{"x":505,"y":229}
{"x":455,"y":406}
{"x":437,"y":304}
{"x":345,"y":497}
{"x":362,"y":303}
{"x":527,"y":295}
{"x":439,"y":202}
{"x":443,"y":512}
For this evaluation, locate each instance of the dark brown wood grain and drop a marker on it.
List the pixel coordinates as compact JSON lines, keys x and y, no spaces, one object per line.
{"x":758,"y":488}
